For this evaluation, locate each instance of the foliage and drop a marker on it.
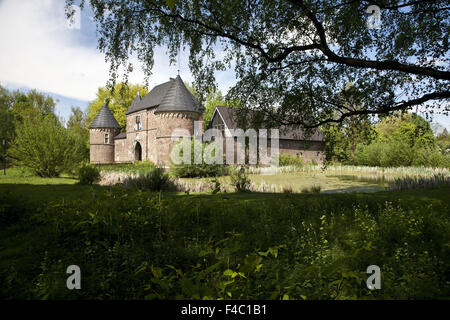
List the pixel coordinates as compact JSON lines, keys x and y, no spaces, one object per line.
{"x":398,"y":152}
{"x":239,"y":179}
{"x":6,"y":117}
{"x":155,"y":180}
{"x":191,"y":169}
{"x":341,"y":139}
{"x":17,"y":106}
{"x":45,"y":146}
{"x":285,"y":159}
{"x":409,"y":127}
{"x":213,"y":99}
{"x":32,"y":104}
{"x":135,"y":167}
{"x":120,"y":99}
{"x":403,"y":140}
{"x":281,"y":72}
{"x":88,"y":174}
{"x":77,"y":124}
{"x":132,"y":244}
{"x":312,"y":189}
{"x":443,"y":142}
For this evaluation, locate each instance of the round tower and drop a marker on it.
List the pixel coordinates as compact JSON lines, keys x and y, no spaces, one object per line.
{"x":101,"y":136}
{"x":178,"y":110}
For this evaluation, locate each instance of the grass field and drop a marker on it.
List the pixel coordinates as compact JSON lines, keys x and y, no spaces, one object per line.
{"x":133,"y":244}
{"x":24,"y":176}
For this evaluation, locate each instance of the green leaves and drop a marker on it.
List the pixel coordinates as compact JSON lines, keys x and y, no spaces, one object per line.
{"x":119,"y":101}
{"x":282,"y":73}
{"x":171,"y":3}
{"x":46,"y":147}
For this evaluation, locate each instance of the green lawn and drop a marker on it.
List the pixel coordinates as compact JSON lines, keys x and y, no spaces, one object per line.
{"x":24,"y":176}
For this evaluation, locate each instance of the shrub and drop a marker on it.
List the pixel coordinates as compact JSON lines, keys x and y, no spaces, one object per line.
{"x":216,"y":187}
{"x":88,"y":174}
{"x":191,"y":169}
{"x":45,"y":146}
{"x":135,"y":167}
{"x":312,"y":189}
{"x":399,"y":153}
{"x":427,"y":157}
{"x":154,"y":180}
{"x":289,"y":160}
{"x":369,"y":155}
{"x":239,"y":179}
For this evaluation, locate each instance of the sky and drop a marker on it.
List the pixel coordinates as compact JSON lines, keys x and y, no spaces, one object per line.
{"x":39,"y":50}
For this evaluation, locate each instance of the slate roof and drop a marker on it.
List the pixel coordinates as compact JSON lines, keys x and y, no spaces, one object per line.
{"x":122,"y":135}
{"x":168,"y":96}
{"x":229,"y":116}
{"x":104,"y":119}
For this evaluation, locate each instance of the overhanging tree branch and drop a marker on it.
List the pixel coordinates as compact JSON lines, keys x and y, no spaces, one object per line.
{"x":360,"y":63}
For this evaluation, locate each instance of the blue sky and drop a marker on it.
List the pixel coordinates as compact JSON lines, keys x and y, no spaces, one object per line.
{"x":39,"y":51}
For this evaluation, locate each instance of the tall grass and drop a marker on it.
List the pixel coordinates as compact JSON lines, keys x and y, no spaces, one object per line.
{"x":405,"y":183}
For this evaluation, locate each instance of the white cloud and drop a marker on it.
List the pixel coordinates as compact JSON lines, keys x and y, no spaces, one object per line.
{"x":39,"y":51}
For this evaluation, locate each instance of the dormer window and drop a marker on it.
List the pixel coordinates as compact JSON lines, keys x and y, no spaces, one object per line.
{"x":138,"y":124}
{"x":106,"y":138}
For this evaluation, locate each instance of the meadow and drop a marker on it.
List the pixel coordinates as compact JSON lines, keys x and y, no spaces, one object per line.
{"x":138,"y":244}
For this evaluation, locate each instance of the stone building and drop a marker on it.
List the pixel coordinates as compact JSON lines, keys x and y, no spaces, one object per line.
{"x":149,"y":126}
{"x":152,"y":119}
{"x":291,"y":141}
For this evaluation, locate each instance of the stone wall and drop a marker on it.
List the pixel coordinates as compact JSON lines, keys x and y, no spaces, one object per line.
{"x":121,"y":152}
{"x":101,"y":152}
{"x":168,"y":122}
{"x":308,"y":150}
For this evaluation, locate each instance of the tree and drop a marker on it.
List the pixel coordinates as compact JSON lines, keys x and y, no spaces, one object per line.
{"x":291,"y":57}
{"x":409,"y":127}
{"x":443,"y":141}
{"x":342,"y":139}
{"x":120,"y":99}
{"x":213,"y":100}
{"x":402,"y":140}
{"x":45,"y":146}
{"x":77,"y":124}
{"x":6,"y":116}
{"x":31,"y":105}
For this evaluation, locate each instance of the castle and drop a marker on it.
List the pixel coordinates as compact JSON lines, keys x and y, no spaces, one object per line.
{"x":169,"y":106}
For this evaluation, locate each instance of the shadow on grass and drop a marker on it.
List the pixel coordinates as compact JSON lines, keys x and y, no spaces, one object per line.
{"x":41,"y":193}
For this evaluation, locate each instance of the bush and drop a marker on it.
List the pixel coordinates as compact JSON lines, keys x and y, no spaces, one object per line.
{"x":193,"y":170}
{"x":88,"y":174}
{"x":45,"y":146}
{"x":369,"y":155}
{"x":312,"y":189}
{"x":239,"y":179}
{"x":289,"y":160}
{"x":427,"y":157}
{"x":135,"y":167}
{"x":154,"y":180}
{"x":138,"y":245}
{"x":399,"y":153}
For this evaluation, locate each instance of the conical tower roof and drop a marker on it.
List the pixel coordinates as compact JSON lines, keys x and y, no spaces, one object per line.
{"x":178,"y":98}
{"x":104,"y":119}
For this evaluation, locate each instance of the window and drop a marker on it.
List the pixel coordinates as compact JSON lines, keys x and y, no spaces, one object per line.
{"x":138,"y":124}
{"x":106,"y":138}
